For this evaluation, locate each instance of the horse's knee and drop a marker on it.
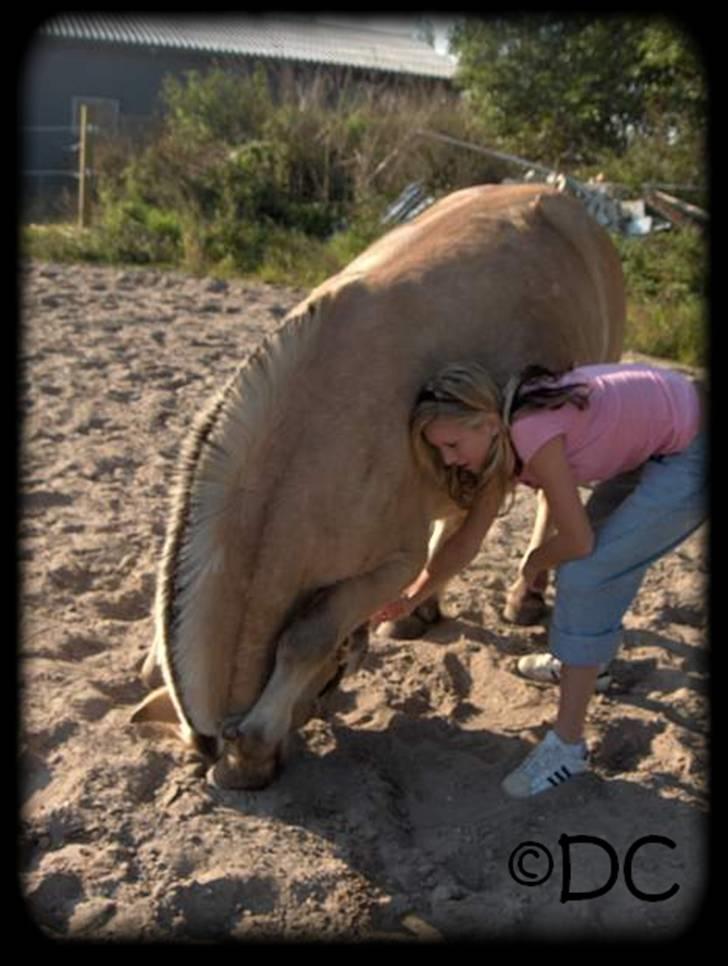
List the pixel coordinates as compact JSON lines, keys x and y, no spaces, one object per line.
{"x":307,"y":642}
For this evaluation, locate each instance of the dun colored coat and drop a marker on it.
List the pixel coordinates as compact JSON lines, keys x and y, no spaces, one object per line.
{"x":299,"y":510}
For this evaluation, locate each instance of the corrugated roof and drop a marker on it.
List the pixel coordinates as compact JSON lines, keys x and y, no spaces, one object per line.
{"x":286,"y":38}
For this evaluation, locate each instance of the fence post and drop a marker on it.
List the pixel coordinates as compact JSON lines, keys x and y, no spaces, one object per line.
{"x":82,"y":161}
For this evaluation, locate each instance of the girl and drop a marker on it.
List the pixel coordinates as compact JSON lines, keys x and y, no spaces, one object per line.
{"x":555,"y":432}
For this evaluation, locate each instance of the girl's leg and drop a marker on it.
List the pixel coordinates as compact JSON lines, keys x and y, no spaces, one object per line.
{"x":594,"y":593}
{"x":562,"y":754}
{"x":577,"y":687}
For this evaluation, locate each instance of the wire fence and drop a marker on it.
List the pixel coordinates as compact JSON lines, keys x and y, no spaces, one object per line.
{"x":58,"y":162}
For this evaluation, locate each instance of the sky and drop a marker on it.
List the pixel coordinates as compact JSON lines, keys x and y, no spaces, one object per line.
{"x":441,"y":25}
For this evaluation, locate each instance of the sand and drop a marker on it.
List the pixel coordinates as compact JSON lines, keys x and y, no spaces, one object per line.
{"x":388,"y":822}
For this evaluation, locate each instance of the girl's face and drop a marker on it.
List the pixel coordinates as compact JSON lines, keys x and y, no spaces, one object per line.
{"x":464,"y":446}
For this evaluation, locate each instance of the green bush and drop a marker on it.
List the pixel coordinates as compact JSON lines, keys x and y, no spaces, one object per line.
{"x":232,"y":166}
{"x":132,"y":231}
{"x":233,"y":183}
{"x":218,"y":106}
{"x":363,"y":229}
{"x":665,"y":276}
{"x":293,"y":258}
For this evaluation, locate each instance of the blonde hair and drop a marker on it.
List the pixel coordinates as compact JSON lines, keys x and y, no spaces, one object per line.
{"x":466,"y":393}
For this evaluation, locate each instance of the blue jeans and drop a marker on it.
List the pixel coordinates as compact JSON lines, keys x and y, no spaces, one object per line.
{"x":593,"y":593}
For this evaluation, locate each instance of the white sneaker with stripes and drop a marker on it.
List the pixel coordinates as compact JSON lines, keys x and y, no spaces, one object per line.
{"x":550,"y":764}
{"x":546,"y":669}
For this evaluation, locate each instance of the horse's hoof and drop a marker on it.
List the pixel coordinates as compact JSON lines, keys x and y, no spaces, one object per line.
{"x":525,"y":608}
{"x":416,"y":625}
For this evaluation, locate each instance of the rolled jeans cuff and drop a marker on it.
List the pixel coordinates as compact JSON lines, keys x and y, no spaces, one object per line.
{"x":585,"y":650}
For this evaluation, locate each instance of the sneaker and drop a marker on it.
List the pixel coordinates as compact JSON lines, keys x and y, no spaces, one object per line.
{"x":551,"y":763}
{"x":547,"y":669}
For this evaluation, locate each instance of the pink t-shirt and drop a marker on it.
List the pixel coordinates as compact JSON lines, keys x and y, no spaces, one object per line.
{"x":634,"y":412}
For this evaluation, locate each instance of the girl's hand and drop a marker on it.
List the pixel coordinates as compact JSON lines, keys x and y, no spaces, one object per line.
{"x":402,"y":607}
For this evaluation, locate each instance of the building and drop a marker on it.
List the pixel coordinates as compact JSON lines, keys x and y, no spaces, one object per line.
{"x":115,"y":63}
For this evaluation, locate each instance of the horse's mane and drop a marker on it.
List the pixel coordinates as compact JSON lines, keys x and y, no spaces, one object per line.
{"x":214,"y":467}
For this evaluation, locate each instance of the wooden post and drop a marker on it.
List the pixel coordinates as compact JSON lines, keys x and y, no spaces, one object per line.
{"x":82,"y":160}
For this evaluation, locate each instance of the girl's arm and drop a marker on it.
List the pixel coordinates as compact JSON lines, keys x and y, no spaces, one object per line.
{"x":449,"y":558}
{"x":574,"y":537}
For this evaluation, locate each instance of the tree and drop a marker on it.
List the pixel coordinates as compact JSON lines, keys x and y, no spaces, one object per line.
{"x":567,"y":90}
{"x":672,"y":79}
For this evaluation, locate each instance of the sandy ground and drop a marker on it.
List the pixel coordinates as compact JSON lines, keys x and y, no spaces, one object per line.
{"x":388,"y":822}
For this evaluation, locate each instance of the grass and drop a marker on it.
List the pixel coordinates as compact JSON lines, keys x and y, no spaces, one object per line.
{"x":60,"y":243}
{"x":666,"y":281}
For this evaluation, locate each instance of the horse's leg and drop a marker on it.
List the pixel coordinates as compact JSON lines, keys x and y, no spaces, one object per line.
{"x":428,"y":612}
{"x":306,"y":656}
{"x":523,"y":605}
